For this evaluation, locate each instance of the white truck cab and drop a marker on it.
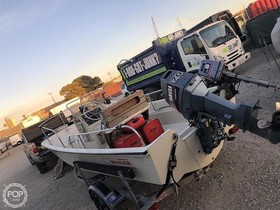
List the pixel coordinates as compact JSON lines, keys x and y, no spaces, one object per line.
{"x":16,"y":140}
{"x":216,"y":41}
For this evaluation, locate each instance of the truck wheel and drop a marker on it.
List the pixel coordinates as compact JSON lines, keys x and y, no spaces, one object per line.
{"x":42,"y":167}
{"x":31,"y":160}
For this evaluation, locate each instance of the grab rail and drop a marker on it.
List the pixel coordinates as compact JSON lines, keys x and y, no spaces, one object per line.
{"x":41,"y":126}
{"x":87,"y":133}
{"x":79,"y":138}
{"x":107,"y":130}
{"x":73,"y":104}
{"x":154,"y":102}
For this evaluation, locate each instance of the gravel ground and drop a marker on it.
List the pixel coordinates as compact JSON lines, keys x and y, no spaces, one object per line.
{"x":244,"y":176}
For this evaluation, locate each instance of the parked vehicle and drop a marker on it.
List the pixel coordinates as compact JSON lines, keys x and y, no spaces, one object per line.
{"x":16,"y":140}
{"x":30,"y":120}
{"x":225,"y":15}
{"x":3,"y":145}
{"x":124,"y":90}
{"x":33,"y":137}
{"x":182,"y":51}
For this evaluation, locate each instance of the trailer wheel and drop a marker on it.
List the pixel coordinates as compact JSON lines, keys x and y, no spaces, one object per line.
{"x":98,"y":201}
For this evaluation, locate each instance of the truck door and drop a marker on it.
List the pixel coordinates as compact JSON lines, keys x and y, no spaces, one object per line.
{"x":192,"y":52}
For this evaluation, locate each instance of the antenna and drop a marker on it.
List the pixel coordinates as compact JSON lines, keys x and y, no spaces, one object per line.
{"x":155,"y":28}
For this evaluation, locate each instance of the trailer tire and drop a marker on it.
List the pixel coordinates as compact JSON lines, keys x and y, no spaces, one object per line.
{"x":42,"y":167}
{"x":98,"y":201}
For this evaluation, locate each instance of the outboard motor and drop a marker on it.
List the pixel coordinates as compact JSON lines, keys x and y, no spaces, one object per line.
{"x":189,"y":94}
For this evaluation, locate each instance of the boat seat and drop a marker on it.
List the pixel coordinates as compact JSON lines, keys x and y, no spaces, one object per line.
{"x":123,"y":111}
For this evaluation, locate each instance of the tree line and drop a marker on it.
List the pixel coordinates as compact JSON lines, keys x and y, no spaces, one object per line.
{"x":80,"y":86}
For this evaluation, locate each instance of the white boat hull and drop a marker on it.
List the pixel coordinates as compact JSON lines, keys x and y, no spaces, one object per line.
{"x":149,"y":163}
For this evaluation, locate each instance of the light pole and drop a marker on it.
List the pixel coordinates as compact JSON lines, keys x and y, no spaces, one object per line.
{"x":110,"y":75}
{"x":52,"y":97}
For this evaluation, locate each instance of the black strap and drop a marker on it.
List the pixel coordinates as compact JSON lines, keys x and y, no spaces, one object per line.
{"x":171,"y":165}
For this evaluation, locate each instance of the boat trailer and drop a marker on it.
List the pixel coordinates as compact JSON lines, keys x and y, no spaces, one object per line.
{"x":107,"y":197}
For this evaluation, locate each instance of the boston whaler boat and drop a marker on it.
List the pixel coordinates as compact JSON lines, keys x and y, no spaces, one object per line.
{"x":152,"y":142}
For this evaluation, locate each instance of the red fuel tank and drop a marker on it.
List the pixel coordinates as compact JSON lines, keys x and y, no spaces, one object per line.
{"x":152,"y":130}
{"x":135,"y":123}
{"x":127,"y":140}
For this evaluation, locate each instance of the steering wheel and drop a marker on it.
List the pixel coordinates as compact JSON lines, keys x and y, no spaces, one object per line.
{"x":91,"y":111}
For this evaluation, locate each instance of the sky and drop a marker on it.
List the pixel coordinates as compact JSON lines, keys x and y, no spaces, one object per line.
{"x":46,"y":44}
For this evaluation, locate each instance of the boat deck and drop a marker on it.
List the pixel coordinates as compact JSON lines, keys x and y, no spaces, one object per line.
{"x":91,"y":136}
{"x":68,"y":137}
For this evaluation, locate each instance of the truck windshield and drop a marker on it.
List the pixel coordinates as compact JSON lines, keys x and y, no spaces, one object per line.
{"x":217,"y":34}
